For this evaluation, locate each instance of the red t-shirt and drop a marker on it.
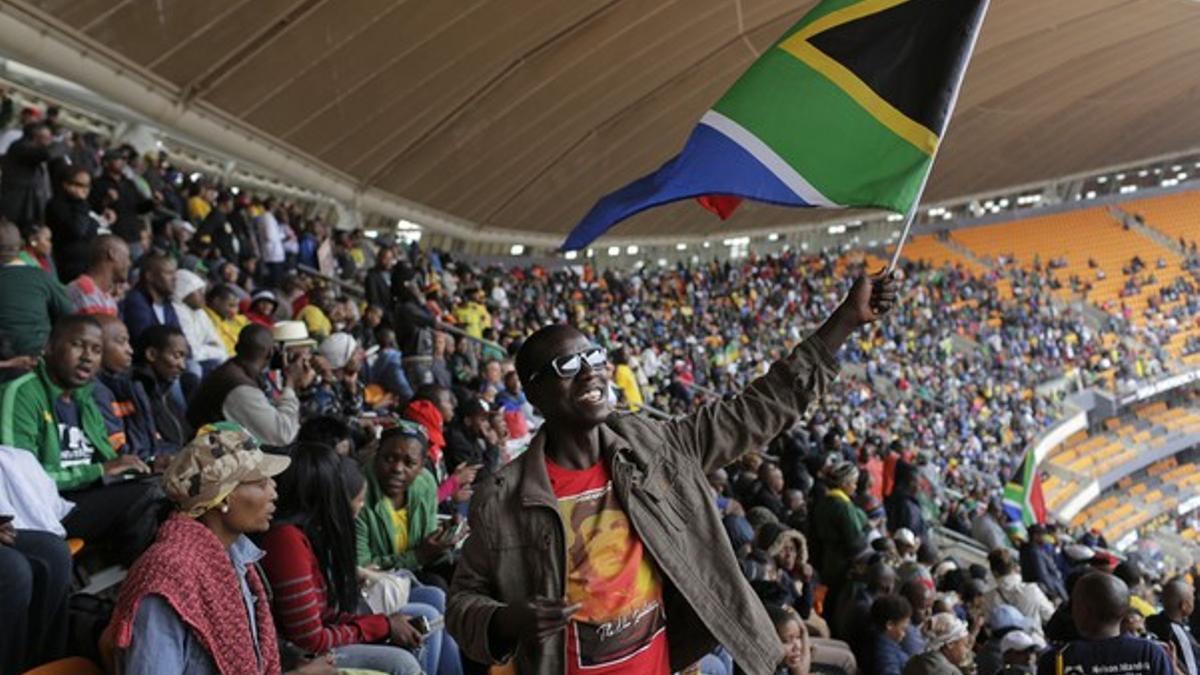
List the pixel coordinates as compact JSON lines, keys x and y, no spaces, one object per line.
{"x":621,"y":627}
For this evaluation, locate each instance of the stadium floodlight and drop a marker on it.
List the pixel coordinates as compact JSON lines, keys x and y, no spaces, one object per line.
{"x":631,"y":250}
{"x":804,"y":246}
{"x":1102,"y":179}
{"x":614,"y":250}
{"x":371,"y":234}
{"x":1181,"y":176}
{"x":1003,"y":203}
{"x":1120,"y":176}
{"x":1177,"y":168}
{"x":681,"y":246}
{"x":895,"y":218}
{"x":736,"y":241}
{"x":571,"y":255}
{"x":1143,"y":173}
{"x":774,"y":236}
{"x":662,"y":262}
{"x":837,"y":229}
{"x":1169,"y":182}
{"x":591,"y":253}
{"x":1126,"y":189}
{"x":517,"y":249}
{"x":707,"y":244}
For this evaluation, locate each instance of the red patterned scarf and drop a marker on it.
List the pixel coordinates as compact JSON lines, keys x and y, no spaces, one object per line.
{"x":189,"y":568}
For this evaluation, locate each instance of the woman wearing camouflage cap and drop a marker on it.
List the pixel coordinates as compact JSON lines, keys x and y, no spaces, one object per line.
{"x":194,"y":602}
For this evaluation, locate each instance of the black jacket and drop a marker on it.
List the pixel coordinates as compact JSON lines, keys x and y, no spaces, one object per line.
{"x":903,"y":510}
{"x":216,"y":231}
{"x":73,"y":229}
{"x":129,"y":204}
{"x":25,"y":182}
{"x":1160,"y":625}
{"x":379,"y":291}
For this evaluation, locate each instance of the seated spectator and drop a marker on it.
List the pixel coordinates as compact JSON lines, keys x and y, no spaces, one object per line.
{"x":310,"y":565}
{"x":850,"y":618}
{"x":920,"y":596}
{"x":160,"y":370}
{"x":32,"y":300}
{"x":262,"y":308}
{"x":1020,"y":651}
{"x":52,"y":413}
{"x":149,"y":302}
{"x":328,"y":430}
{"x":71,"y":223}
{"x":35,"y":565}
{"x":207,"y":350}
{"x":790,"y":552}
{"x":797,"y":653}
{"x":338,"y":391}
{"x":470,"y":438}
{"x":882,"y":654}
{"x":1010,"y":590}
{"x":97,"y":288}
{"x":1170,"y":626}
{"x":398,"y":527}
{"x":39,"y":248}
{"x":387,"y":367}
{"x":1001,"y":620}
{"x":122,"y":401}
{"x":315,"y":314}
{"x":195,"y":602}
{"x":1099,"y":602}
{"x":222,"y":311}
{"x":947,"y":647}
{"x":232,"y":392}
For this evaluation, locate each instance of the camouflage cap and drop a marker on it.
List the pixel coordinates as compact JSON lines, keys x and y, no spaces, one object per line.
{"x":220,"y":457}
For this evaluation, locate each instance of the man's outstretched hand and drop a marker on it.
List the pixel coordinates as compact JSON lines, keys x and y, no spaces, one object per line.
{"x":869,"y":298}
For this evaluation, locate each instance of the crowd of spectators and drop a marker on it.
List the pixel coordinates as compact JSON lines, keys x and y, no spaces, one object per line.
{"x":284,"y":462}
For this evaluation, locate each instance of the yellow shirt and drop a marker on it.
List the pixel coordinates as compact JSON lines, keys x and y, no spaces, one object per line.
{"x":198,"y":209}
{"x":627,"y":381}
{"x":319,"y":326}
{"x":474,"y":317}
{"x":227,"y":329}
{"x":399,"y":524}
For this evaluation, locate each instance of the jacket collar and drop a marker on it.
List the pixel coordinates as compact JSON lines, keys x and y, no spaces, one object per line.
{"x":53,"y":391}
{"x":535,"y":486}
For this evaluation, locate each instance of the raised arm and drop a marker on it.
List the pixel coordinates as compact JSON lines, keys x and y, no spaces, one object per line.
{"x":721,"y":431}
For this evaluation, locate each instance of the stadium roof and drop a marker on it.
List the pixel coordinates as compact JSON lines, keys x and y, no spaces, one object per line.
{"x":516,"y":115}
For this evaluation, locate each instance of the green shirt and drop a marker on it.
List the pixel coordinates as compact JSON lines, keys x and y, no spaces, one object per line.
{"x":30,"y":304}
{"x":27,"y":420}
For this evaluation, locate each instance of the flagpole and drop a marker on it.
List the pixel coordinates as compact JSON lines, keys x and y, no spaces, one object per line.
{"x":914,"y":209}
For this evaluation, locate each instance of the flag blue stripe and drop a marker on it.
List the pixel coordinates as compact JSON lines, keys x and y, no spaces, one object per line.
{"x":710,"y":164}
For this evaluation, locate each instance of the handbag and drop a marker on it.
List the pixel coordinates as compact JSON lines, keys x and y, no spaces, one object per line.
{"x":385,"y":592}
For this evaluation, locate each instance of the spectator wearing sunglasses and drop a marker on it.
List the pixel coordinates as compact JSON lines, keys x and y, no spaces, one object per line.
{"x":573,"y":539}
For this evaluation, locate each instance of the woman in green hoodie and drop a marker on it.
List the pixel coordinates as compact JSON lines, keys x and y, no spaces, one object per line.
{"x":398,"y":527}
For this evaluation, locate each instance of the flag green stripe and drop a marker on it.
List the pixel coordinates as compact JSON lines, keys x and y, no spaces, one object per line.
{"x":839,"y":147}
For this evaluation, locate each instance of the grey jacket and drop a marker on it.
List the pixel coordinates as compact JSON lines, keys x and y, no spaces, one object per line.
{"x":517,"y":547}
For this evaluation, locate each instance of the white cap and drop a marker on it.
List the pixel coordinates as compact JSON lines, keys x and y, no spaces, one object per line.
{"x":1019,"y":641}
{"x":338,"y":349}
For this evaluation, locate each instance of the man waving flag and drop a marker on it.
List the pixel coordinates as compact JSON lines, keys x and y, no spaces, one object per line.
{"x":846,"y":109}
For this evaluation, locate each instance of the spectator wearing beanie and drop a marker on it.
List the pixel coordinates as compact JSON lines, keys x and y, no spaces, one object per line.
{"x":207,"y":351}
{"x":840,"y":528}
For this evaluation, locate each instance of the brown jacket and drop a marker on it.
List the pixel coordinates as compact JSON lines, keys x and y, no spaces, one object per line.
{"x":517,"y":547}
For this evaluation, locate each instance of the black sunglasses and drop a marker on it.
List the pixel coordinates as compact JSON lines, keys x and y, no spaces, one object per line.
{"x":569,"y":366}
